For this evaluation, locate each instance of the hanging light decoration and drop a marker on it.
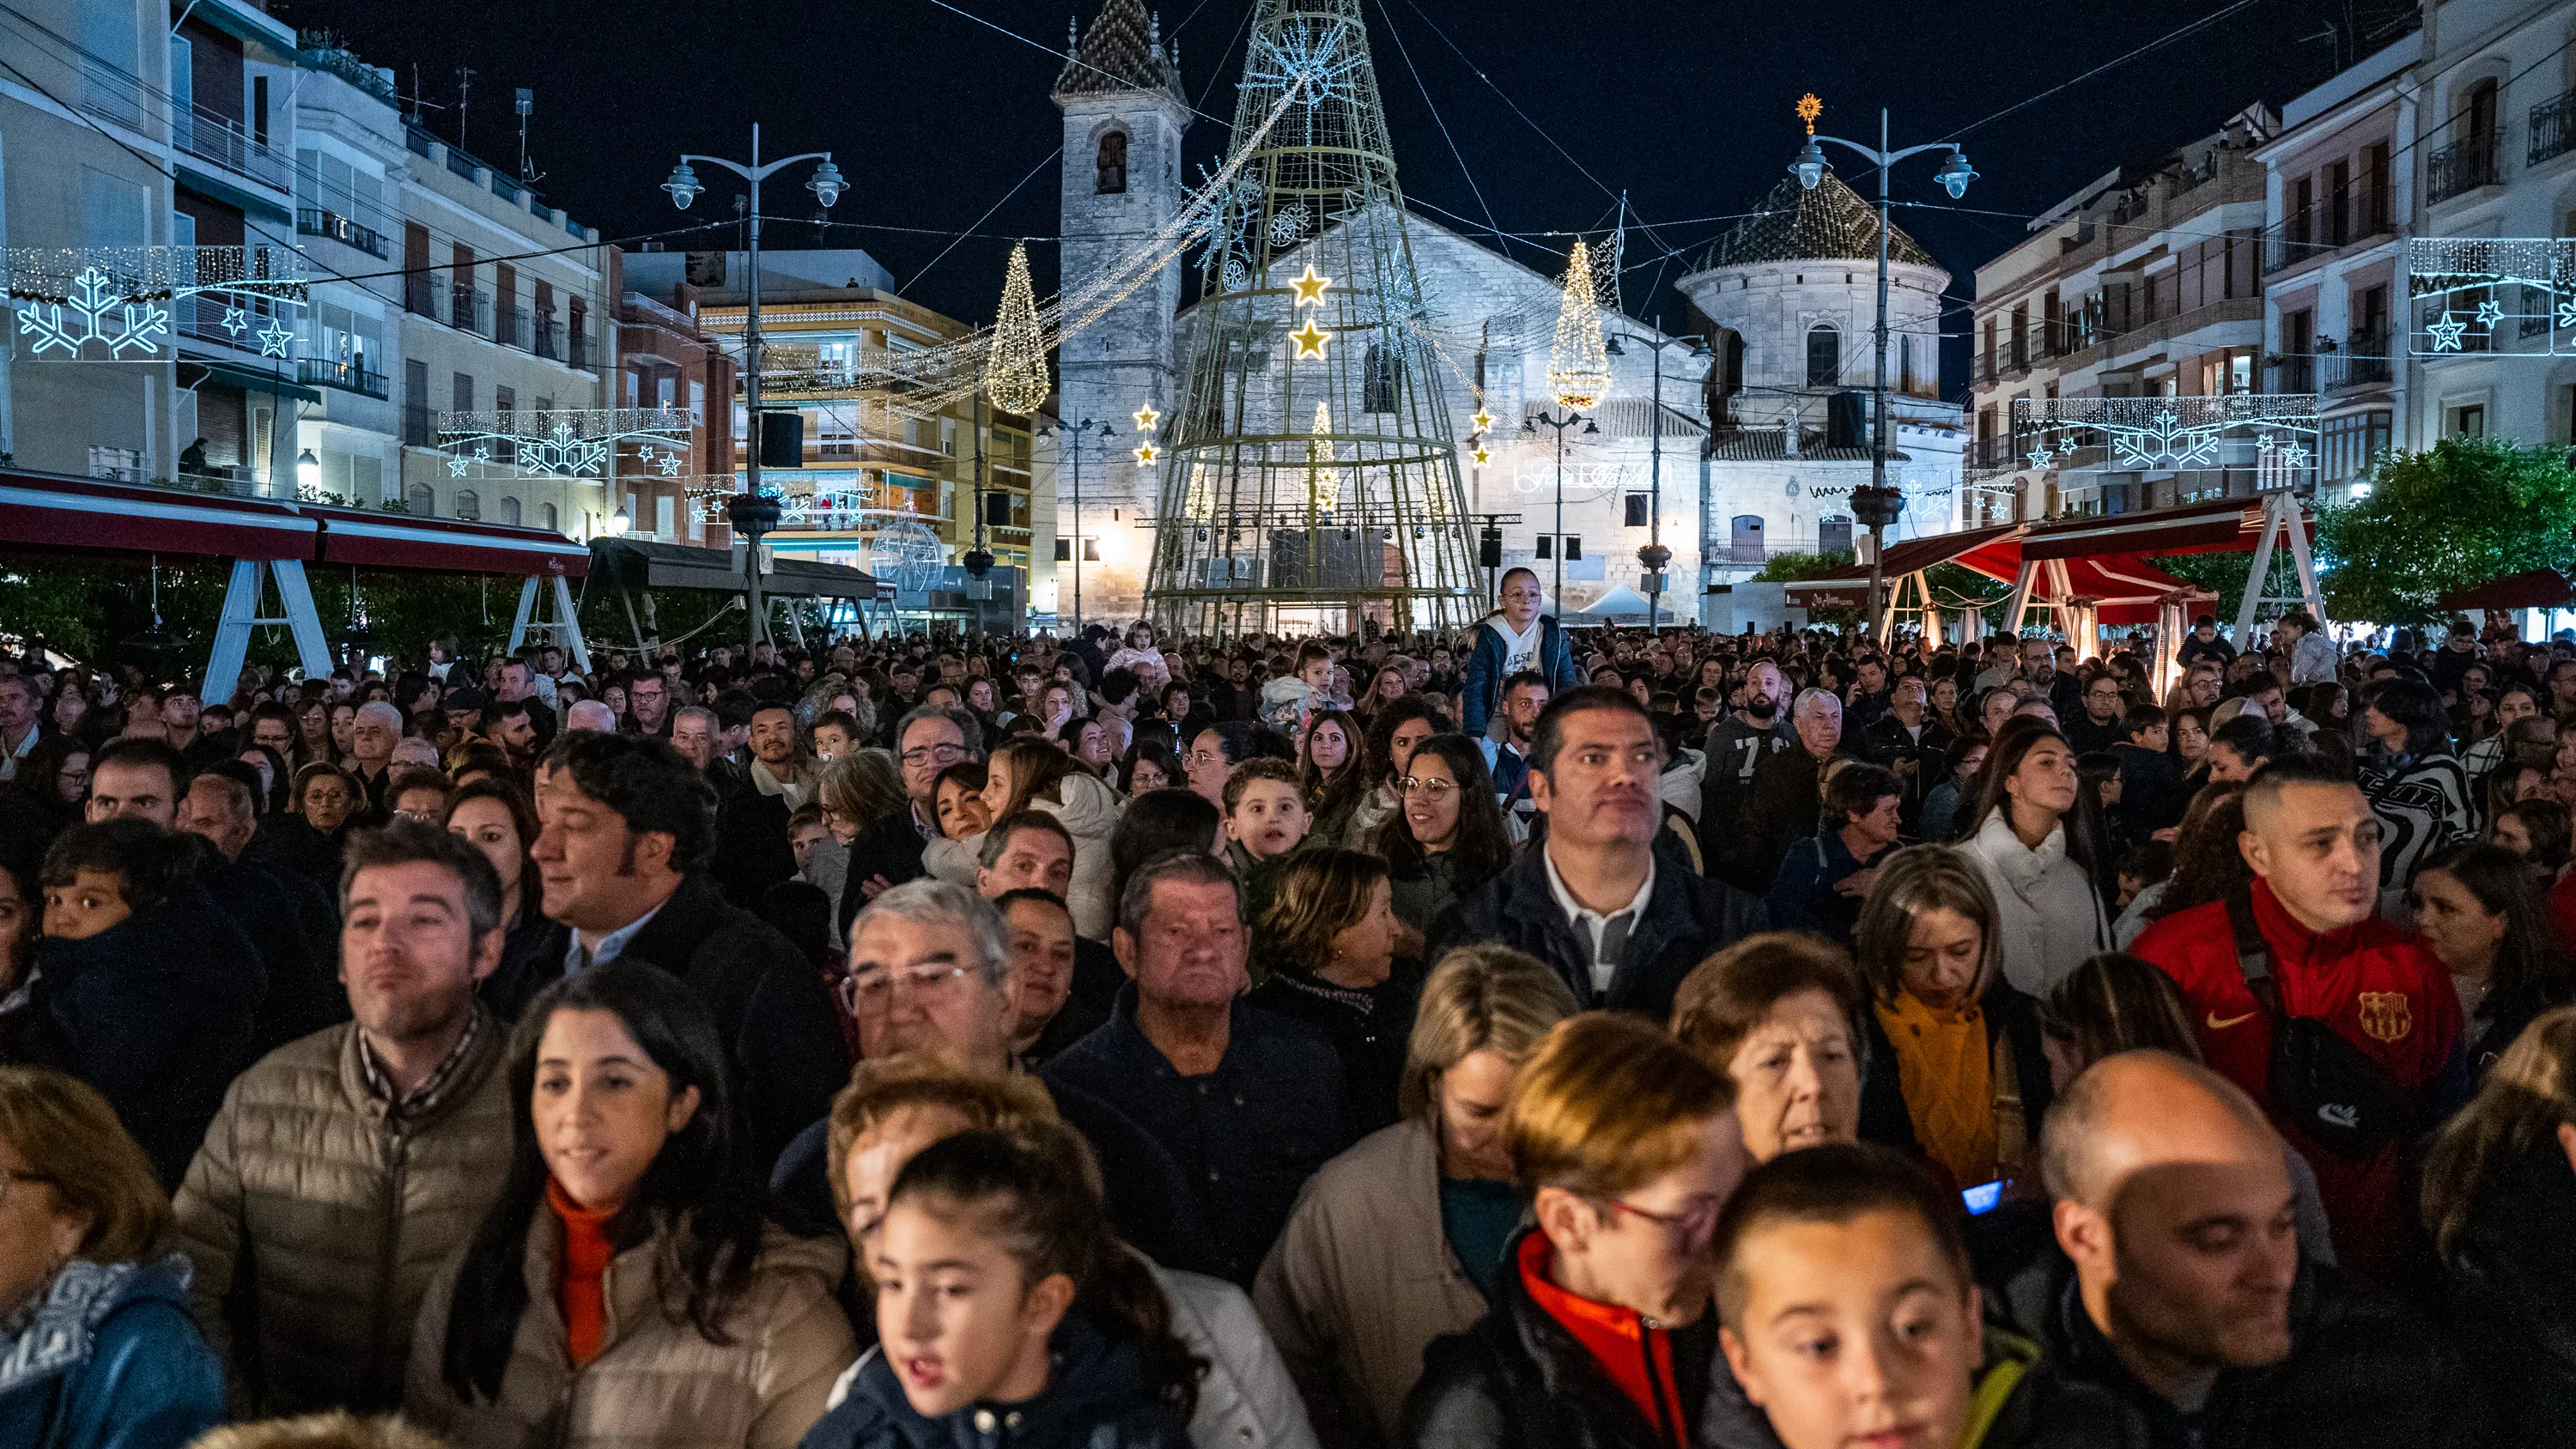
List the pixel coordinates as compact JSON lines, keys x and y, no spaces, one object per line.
{"x":1015,"y":374}
{"x":1578,"y":370}
{"x":1322,"y":478}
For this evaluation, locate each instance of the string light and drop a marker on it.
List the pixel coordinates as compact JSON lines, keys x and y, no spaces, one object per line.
{"x":1322,"y":479}
{"x":1015,"y":373}
{"x":1578,"y":369}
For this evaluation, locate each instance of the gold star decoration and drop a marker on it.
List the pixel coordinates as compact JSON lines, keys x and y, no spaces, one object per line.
{"x":1482,"y":455}
{"x":1483,"y":420}
{"x":1310,"y":288}
{"x":1146,"y":418}
{"x":1147,"y":454}
{"x":1310,"y":339}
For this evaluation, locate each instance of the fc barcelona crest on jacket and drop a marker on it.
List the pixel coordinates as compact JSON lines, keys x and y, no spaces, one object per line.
{"x":2384,"y":1015}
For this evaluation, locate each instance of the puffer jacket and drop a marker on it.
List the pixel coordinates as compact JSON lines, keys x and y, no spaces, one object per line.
{"x":1362,"y":1280}
{"x":1247,"y":1400}
{"x":657,"y":1383}
{"x":107,"y":1359}
{"x":1088,"y":812}
{"x":316,"y":1222}
{"x":1095,"y":1398}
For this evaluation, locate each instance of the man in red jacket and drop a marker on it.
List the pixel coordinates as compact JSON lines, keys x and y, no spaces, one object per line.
{"x":2313,"y":845}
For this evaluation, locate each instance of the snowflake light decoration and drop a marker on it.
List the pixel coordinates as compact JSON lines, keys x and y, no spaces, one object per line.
{"x":1288,"y":226}
{"x":1313,"y":61}
{"x":1237,"y":275}
{"x":561,"y":452}
{"x":97,"y":314}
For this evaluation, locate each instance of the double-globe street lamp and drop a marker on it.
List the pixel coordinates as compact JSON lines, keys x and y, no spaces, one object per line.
{"x":1878,"y":505}
{"x":1531,"y":425}
{"x":1068,"y":439}
{"x":751,"y":512}
{"x":1654,"y":555}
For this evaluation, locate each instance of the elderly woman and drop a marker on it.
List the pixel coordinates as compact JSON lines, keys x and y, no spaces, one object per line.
{"x":1400,"y":1240}
{"x":1780,"y":1015}
{"x":97,"y":1348}
{"x":631,"y":1246}
{"x":1325,"y":945}
{"x":1963,"y":1045}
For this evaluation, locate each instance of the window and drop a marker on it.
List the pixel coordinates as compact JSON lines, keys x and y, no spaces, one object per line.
{"x":1546,"y":546}
{"x":510,"y":511}
{"x":1573,"y":546}
{"x":549,"y":516}
{"x":2470,"y":421}
{"x":1744,"y":538}
{"x":1825,"y":354}
{"x":1637,"y":510}
{"x":1112,"y":165}
{"x":505,"y":401}
{"x":2346,"y":445}
{"x":416,"y":428}
{"x":468,"y":507}
{"x":665,"y":517}
{"x":1064,"y":550}
{"x":1834,"y":535}
{"x":1091,"y":550}
{"x":463,"y":393}
{"x":419,"y":502}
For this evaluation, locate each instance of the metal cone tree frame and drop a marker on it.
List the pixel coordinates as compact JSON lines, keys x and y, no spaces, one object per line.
{"x":1312,"y":242}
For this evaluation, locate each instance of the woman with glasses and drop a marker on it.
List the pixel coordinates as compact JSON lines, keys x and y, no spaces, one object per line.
{"x":1397,"y":730}
{"x":631,"y":1283}
{"x":1624,"y":1146}
{"x":97,"y":1346}
{"x":1450,"y":837}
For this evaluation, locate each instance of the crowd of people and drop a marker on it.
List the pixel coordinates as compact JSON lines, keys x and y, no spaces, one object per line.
{"x":1515,"y":1040}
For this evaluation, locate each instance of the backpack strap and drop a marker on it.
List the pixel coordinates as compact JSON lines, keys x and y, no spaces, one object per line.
{"x":2254,"y":955}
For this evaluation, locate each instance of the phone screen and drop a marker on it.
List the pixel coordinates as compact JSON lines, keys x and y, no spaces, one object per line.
{"x":1983,"y":1197}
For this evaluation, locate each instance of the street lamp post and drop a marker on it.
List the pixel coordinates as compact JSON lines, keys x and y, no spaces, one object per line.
{"x":979,"y":559}
{"x":1068,"y":436}
{"x":752,"y":513}
{"x":1530,"y":425}
{"x":1882,"y":505}
{"x":1654,"y":555}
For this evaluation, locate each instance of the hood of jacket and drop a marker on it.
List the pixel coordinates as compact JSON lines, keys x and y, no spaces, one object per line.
{"x":58,"y":1334}
{"x":1095,"y":1397}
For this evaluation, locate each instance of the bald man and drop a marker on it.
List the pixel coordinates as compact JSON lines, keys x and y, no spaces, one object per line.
{"x":2309,"y":924}
{"x":2190,"y":1302}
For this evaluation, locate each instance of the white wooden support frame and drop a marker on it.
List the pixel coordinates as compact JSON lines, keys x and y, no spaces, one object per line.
{"x":241,"y":615}
{"x":2281,"y":517}
{"x":563,"y":630}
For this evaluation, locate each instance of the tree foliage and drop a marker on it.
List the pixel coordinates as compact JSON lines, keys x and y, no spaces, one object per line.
{"x":1788,"y":568}
{"x":2451,"y":517}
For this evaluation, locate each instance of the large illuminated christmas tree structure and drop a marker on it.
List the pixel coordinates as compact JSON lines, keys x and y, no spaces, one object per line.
{"x":1310,"y":478}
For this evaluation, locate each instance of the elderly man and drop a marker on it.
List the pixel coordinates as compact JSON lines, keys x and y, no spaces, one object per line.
{"x":927,"y":740}
{"x":1621,"y":927}
{"x":592,"y":716}
{"x":2304,"y":944}
{"x":1781,"y":807}
{"x":347,"y":1167}
{"x":1249,"y":1104}
{"x":372,"y":736}
{"x":220,"y":809}
{"x":627,"y":829}
{"x":2190,"y":1305}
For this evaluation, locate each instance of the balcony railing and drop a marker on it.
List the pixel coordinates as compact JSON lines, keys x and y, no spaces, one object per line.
{"x":2461,"y":167}
{"x":2367,"y":365}
{"x":507,"y":189}
{"x":2296,"y":372}
{"x":111,"y":94}
{"x":461,"y":164}
{"x":2553,"y":128}
{"x":317,"y":221}
{"x":350,"y":376}
{"x":220,"y":139}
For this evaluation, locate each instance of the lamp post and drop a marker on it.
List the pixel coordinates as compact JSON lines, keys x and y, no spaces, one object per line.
{"x":1530,"y":425}
{"x":751,"y":513}
{"x":1878,"y":509}
{"x":1654,"y":555}
{"x":979,"y":559}
{"x":1068,"y":436}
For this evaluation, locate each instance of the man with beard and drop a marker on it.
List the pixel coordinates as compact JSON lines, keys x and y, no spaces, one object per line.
{"x":648,"y":705}
{"x":347,"y":1167}
{"x":2063,"y":690}
{"x":1525,"y":697}
{"x":2190,"y":1303}
{"x":752,"y":849}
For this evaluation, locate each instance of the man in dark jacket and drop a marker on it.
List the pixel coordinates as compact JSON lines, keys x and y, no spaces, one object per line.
{"x":752,"y":850}
{"x":2189,"y":1300}
{"x":628,"y":826}
{"x":1621,"y":926}
{"x":888,"y":853}
{"x":1782,"y":807}
{"x":304,"y":992}
{"x":1249,"y":1104}
{"x":1910,"y":740}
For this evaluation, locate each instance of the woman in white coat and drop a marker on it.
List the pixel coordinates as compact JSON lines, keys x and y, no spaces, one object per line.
{"x":1030,"y":774}
{"x":2031,"y":846}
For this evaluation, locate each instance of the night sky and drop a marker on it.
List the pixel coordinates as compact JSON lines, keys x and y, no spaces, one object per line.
{"x":1685,"y":104}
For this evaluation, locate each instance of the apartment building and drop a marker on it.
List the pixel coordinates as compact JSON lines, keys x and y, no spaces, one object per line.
{"x":667,"y":360}
{"x":2143,"y":284}
{"x":349,"y":170}
{"x":885,"y":483}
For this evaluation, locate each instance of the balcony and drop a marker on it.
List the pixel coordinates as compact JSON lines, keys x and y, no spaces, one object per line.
{"x":221,"y":140}
{"x":2294,"y":373}
{"x":350,"y":376}
{"x":315,"y":221}
{"x":2461,"y":167}
{"x":2346,"y":219}
{"x":2366,"y":365}
{"x":2553,"y":128}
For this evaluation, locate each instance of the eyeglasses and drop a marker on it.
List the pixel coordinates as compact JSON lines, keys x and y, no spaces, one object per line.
{"x":934,"y":754}
{"x":1433,"y":789}
{"x":876,"y":987}
{"x":1692,"y":1224}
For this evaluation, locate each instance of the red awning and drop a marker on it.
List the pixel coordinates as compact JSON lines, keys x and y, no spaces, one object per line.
{"x":45,"y":510}
{"x":2225,"y":525}
{"x":1993,"y":551}
{"x":391,"y":540}
{"x":2530,"y":589}
{"x":2123,"y":587}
